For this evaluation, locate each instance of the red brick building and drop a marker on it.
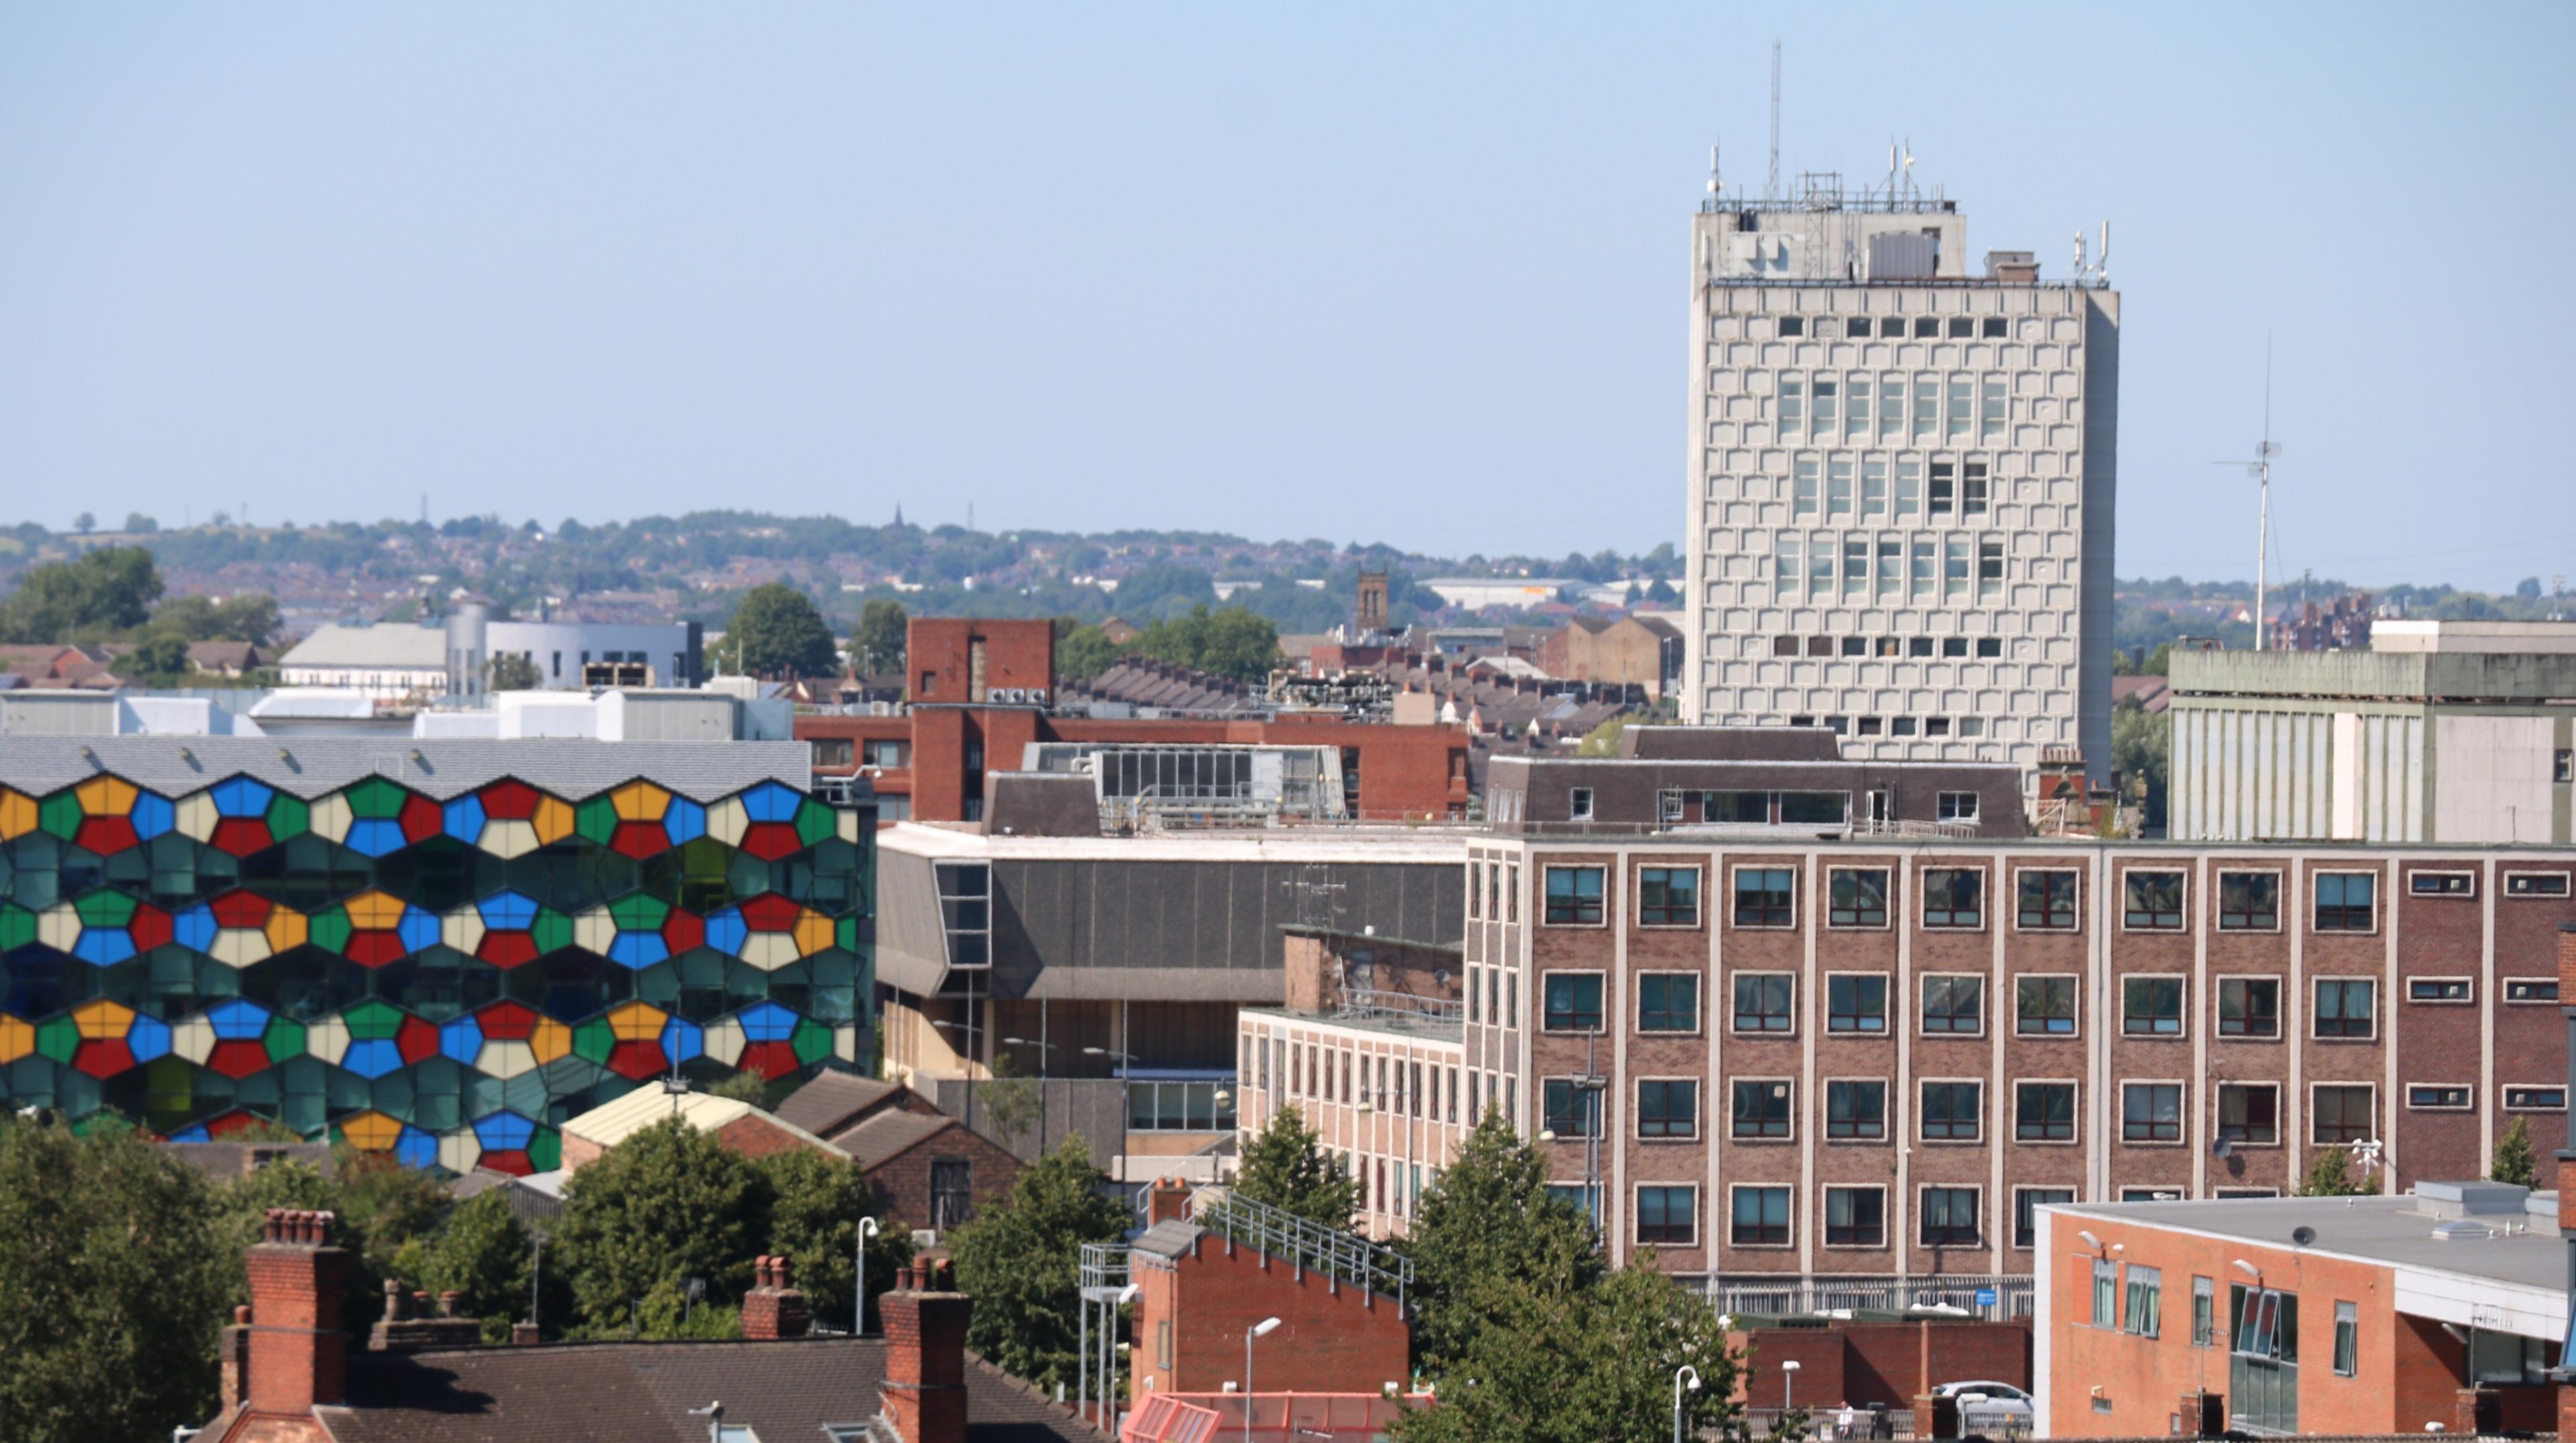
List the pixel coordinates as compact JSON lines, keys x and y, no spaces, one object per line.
{"x":982,"y":691}
{"x":2441,"y":1311}
{"x":1204,"y":1280}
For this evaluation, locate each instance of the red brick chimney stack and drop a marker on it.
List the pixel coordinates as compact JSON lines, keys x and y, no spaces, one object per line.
{"x":234,"y":1353}
{"x":297,"y":1356}
{"x":775,"y":1308}
{"x":925,"y":1364}
{"x":1167,"y":1201}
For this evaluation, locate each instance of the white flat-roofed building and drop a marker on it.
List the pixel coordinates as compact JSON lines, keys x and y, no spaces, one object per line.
{"x":1901,"y":482}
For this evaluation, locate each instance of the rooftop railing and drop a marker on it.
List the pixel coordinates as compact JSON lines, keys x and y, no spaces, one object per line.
{"x":1310,"y":1245}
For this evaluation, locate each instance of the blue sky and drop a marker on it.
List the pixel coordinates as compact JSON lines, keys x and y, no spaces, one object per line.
{"x":1412,"y":274}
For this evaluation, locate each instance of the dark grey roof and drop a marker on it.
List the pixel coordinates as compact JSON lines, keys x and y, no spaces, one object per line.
{"x":1170,"y":1238}
{"x":1730,"y":744}
{"x":530,"y":1205}
{"x":438,"y":767}
{"x":828,"y":1103}
{"x":1041,"y":804}
{"x":785,"y":1392}
{"x":888,"y":1135}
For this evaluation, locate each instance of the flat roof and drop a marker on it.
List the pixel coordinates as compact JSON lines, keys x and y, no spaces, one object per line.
{"x":1271,"y":844}
{"x":436,"y":767}
{"x":1408,"y":1025}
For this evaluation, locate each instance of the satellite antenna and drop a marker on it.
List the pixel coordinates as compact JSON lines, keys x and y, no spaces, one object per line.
{"x":2260,"y":468}
{"x":1771,"y":187}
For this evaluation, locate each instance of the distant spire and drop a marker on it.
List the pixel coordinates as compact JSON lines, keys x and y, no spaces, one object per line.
{"x":898,"y":515}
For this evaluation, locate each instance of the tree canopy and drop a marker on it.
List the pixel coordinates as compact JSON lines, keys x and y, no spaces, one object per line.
{"x":1231,"y":643}
{"x":108,"y":589}
{"x":1021,"y":1261}
{"x":1490,"y":1218}
{"x":668,"y":1204}
{"x":2515,"y":1161}
{"x":877,"y":646}
{"x":1286,"y":1167}
{"x":777,"y":632}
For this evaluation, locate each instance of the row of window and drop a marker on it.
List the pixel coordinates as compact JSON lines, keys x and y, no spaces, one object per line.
{"x":1762,"y":1215}
{"x":1922,"y":569}
{"x":1324,"y":1073}
{"x":2045,"y":899}
{"x":1985,"y":647}
{"x":1764,"y":1109}
{"x":1841,"y":487}
{"x":1956,"y":328}
{"x":1949,"y":406}
{"x":2045,"y":1004}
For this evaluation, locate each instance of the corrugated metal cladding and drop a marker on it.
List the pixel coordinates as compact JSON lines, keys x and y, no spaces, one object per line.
{"x":1203,"y":915}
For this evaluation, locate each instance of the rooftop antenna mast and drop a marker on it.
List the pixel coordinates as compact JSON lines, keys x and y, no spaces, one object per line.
{"x":1771,"y":187}
{"x":2260,"y":468}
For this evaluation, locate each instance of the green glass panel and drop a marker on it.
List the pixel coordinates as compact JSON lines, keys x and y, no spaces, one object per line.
{"x":487,"y":1095}
{"x":812,"y":1041}
{"x":302,"y":1111}
{"x":813,"y":823}
{"x":552,"y":931}
{"x":330,"y":930}
{"x":372,"y":1020}
{"x":169,"y":1085}
{"x":596,"y":819}
{"x":17,"y":927}
{"x":58,"y":1039}
{"x":393,"y":1095}
{"x":282,"y":1039}
{"x":545,"y":1150}
{"x":525,"y":1094}
{"x":376,"y":797}
{"x":288,"y":817}
{"x":105,"y":909}
{"x":60,"y":814}
{"x":347,"y":1091}
{"x":639,"y":912}
{"x":846,"y":933}
{"x":594,"y":1040}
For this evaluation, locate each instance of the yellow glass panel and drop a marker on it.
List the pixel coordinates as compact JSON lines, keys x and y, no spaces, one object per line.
{"x":102,"y":1020}
{"x":640,"y":802}
{"x":373,"y":911}
{"x":286,"y":928}
{"x":372,"y":1131}
{"x":637,"y":1022}
{"x":106,"y":796}
{"x":17,"y":1038}
{"x":549,"y":1040}
{"x":553,"y":819}
{"x":813,"y":932}
{"x":17,"y":814}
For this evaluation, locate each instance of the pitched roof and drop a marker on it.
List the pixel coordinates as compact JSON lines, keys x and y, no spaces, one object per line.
{"x":620,"y":1118}
{"x":888,"y":1135}
{"x":785,"y":1392}
{"x":829,"y":1102}
{"x":391,"y":647}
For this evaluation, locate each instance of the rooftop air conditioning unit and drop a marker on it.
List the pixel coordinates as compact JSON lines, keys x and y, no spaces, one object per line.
{"x":923,"y":1238}
{"x":1037,"y":696}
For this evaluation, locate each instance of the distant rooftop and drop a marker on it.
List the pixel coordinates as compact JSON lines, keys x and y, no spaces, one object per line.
{"x":310,"y":767}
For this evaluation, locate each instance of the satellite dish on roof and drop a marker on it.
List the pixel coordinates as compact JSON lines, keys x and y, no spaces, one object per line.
{"x":2302,"y":1235}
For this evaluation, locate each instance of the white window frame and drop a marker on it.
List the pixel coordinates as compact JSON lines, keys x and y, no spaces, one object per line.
{"x":1825,"y":1118}
{"x":2505,"y":986}
{"x":2075,"y":977}
{"x":1985,"y":1090}
{"x":1699,"y":1197}
{"x":2510,"y":878}
{"x":2468,"y":999}
{"x":2077,"y":1140}
{"x":1985,"y":1013}
{"x":2183,"y":1016}
{"x":1699,"y":889}
{"x":1609,"y":904}
{"x":2217,"y":1111}
{"x":1985,"y":899}
{"x":1739,"y":869}
{"x":1701,"y":1027}
{"x":1733,"y":1080}
{"x":2280,"y":1023}
{"x":1543,"y":1030}
{"x":1699,"y":1113}
{"x":1944,"y":806}
{"x":2378,"y":1126}
{"x":2180,"y":876}
{"x":1824,"y":1224}
{"x":1887,"y":900}
{"x":2376,"y":906}
{"x":2469,"y":876}
{"x":1791,"y":1188}
{"x":2315,"y":979}
{"x":1781,"y":1034}
{"x":2013,"y":1239}
{"x":2068,"y":930}
{"x":1578,"y":804}
{"x":1888,"y":1019}
{"x":2218,"y":902}
{"x":2182,"y":1112}
{"x":2468,"y":1092}
{"x":2506,"y":1092}
{"x":1984,"y":1239}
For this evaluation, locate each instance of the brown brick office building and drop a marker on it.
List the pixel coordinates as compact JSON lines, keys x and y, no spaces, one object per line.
{"x":1844,"y":1059}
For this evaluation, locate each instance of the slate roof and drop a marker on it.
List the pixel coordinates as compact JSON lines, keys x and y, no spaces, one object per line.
{"x":831,"y":1101}
{"x":437,"y":767}
{"x":785,"y":1392}
{"x":887,"y":1135}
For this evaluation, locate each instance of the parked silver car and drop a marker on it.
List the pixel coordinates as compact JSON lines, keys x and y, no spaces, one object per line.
{"x":1991,"y":1408}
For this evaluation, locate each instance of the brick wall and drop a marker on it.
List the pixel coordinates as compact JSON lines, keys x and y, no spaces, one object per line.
{"x":902,"y":1182}
{"x":1191,"y":1318}
{"x":1889,"y":1364}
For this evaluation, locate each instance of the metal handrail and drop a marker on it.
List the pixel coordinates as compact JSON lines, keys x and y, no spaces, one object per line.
{"x":1309,"y":1244}
{"x":1824,"y":1292}
{"x":1373,"y":1002}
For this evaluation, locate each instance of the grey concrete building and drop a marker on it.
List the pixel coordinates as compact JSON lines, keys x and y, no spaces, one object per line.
{"x":1900,"y":482}
{"x":2442,"y":732}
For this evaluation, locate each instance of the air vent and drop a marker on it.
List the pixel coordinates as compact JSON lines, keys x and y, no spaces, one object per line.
{"x":2461,"y":1230}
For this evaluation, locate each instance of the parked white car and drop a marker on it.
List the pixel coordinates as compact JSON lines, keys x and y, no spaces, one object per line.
{"x":1991,"y":1408}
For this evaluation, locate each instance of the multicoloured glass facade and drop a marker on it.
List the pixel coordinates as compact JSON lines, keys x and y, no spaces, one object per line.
{"x":446,"y":978}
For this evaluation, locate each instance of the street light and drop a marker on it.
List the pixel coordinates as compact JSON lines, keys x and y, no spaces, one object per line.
{"x":1257,"y":1330}
{"x":1685,"y":1372}
{"x":859,"y":1308}
{"x":1788,"y":1383}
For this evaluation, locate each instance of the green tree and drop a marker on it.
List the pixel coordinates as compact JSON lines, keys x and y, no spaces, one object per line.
{"x":2514,"y":1160}
{"x":84,"y":523}
{"x":2141,"y":746}
{"x":814,"y":1221}
{"x":483,"y":1255}
{"x":1490,"y":1219}
{"x":667,"y":1204}
{"x":161,"y":655}
{"x":777,"y":632}
{"x":1603,"y":740}
{"x":2331,"y":1174}
{"x":112,"y":1261}
{"x":1232,"y":643}
{"x":1082,"y":651}
{"x":387,"y":1204}
{"x":877,"y":646}
{"x":1286,"y":1167}
{"x":138,"y":524}
{"x":514,"y":671}
{"x":1011,"y":1104}
{"x":108,"y":589}
{"x":748,"y":1085}
{"x":244,"y":1205}
{"x":1021,"y":1261}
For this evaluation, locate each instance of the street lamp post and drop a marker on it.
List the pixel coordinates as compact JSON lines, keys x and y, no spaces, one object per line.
{"x":1788,"y":1384}
{"x":1257,"y":1330}
{"x":1123,"y":1059}
{"x":1691,"y":1374}
{"x":859,"y":1307}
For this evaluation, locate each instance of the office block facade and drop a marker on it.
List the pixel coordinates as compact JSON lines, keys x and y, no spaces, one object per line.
{"x":1901,"y":482}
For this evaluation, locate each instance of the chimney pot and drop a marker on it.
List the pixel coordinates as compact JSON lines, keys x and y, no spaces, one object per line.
{"x":447,"y":1304}
{"x":523,"y":1335}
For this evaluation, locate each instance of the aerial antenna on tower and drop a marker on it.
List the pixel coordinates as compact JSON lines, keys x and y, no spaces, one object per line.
{"x":1716,"y":177}
{"x":1771,"y":187}
{"x":2260,"y":468}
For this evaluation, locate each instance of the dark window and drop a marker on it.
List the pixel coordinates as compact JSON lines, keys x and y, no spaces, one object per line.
{"x":2026,"y":1205}
{"x":1857,"y":897}
{"x":1784,"y":646}
{"x":1761,"y":1109}
{"x":1856,"y":327}
{"x":1954,"y":1004}
{"x":1573,"y":1002}
{"x":1763,"y":1001}
{"x":1954,"y":897}
{"x":1926,"y":326}
{"x":1568,"y":1108}
{"x":1953,"y":1111}
{"x":2344,"y":901}
{"x":2249,"y":901}
{"x":1990,"y":646}
{"x":1764,"y":897}
{"x":1793,"y":325}
{"x":1993,"y":326}
{"x":1761,"y":1217}
{"x":1578,"y":806}
{"x":2151,"y":1006}
{"x":2249,"y":1007}
{"x":1668,"y":1108}
{"x":2345,"y":1006}
{"x":1962,"y":327}
{"x":1856,"y":1109}
{"x":1820,"y":646}
{"x":1668,"y":896}
{"x":1955,"y":807}
{"x":952,"y":1191}
{"x":2153,"y":901}
{"x":2530,"y":989}
{"x":2436,"y":1096}
{"x":1574,"y":894}
{"x":2536,"y":1099}
{"x":1821,"y":809}
{"x":2437,"y":989}
{"x":2535,"y":884}
{"x":1950,"y":1217}
{"x":2044,"y":1006}
{"x":2249,"y":1113}
{"x":2442,"y":884}
{"x":929,"y":683}
{"x":2151,"y":1112}
{"x":1668,"y":1002}
{"x":2044,"y":1112}
{"x":1855,"y":1217}
{"x":1918,"y":646}
{"x":1855,"y":646}
{"x":1855,"y":1002}
{"x":1954,"y":646}
{"x":2046,"y":900}
{"x":1891,"y":326}
{"x":2342,"y":1114}
{"x":1668,"y":1215}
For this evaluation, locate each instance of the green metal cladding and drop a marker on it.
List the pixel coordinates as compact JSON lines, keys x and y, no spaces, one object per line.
{"x":445,"y":980}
